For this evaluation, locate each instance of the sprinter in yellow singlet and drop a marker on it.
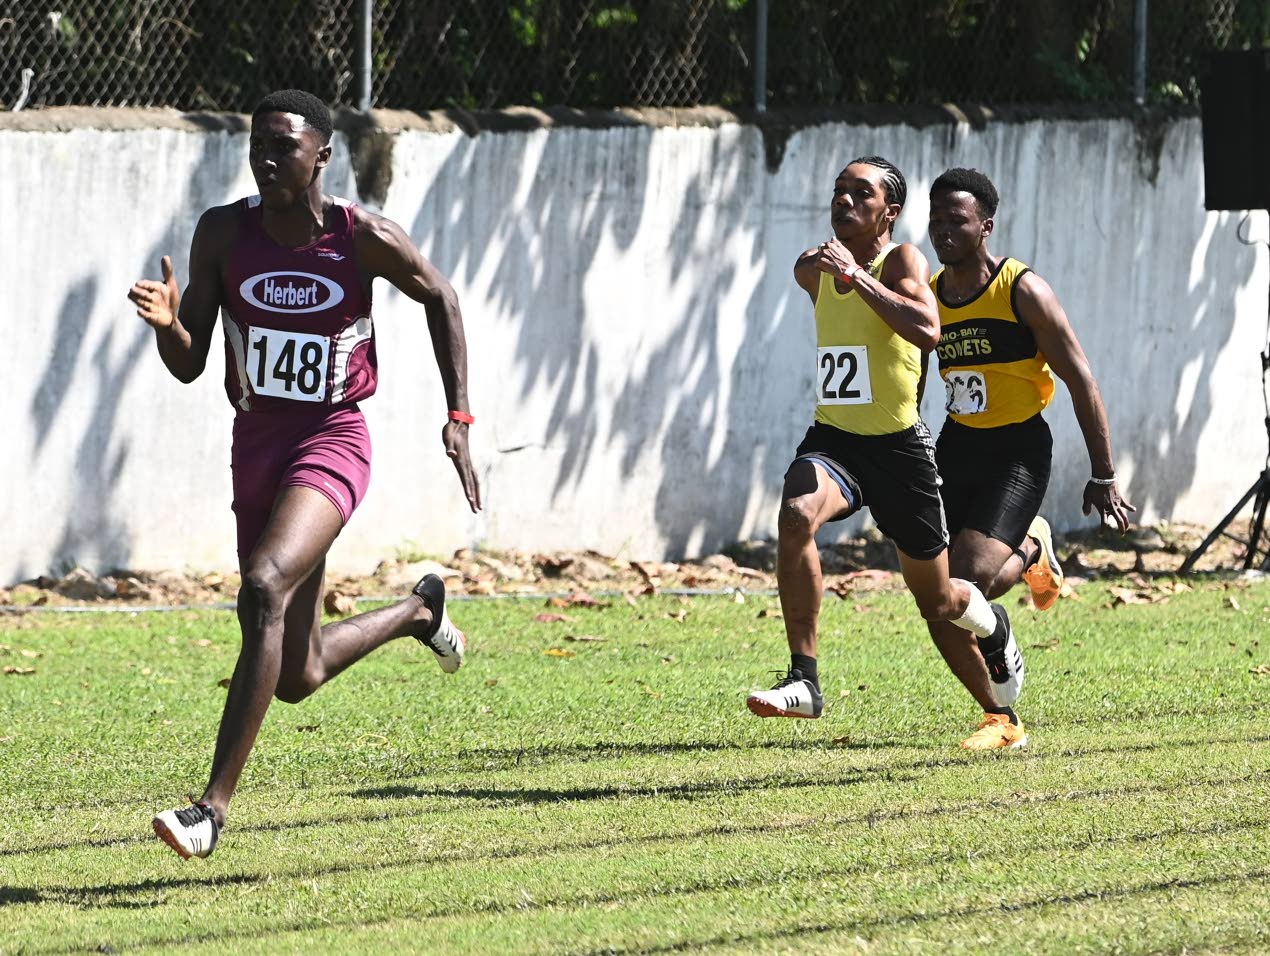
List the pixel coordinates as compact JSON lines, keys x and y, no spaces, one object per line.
{"x":875,"y":321}
{"x":1002,"y":331}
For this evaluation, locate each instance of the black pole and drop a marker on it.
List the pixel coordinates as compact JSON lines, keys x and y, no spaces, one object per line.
{"x":760,"y":56}
{"x":364,"y":94}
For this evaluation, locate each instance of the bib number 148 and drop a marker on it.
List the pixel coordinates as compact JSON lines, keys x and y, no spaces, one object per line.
{"x":842,"y":376}
{"x":288,"y":364}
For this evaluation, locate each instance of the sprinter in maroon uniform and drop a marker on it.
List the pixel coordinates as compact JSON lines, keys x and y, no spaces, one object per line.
{"x":291,"y":271}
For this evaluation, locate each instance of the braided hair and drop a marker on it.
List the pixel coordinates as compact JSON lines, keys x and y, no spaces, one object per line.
{"x":892,"y":179}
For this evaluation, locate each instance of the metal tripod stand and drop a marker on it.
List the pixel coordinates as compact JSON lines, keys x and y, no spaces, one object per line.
{"x":1257,"y":544}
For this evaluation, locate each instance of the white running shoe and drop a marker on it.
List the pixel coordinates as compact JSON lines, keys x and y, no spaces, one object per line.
{"x":793,"y":696}
{"x":443,"y":638}
{"x":191,"y":831}
{"x":1005,"y":666}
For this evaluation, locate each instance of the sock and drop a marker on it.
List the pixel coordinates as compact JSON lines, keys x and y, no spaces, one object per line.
{"x":807,"y":667}
{"x":1029,"y":546}
{"x":1008,"y":711}
{"x":994,"y":643}
{"x":978,"y":618}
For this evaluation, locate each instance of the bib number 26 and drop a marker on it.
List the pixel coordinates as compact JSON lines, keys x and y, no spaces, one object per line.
{"x":842,"y":376}
{"x":288,"y":364}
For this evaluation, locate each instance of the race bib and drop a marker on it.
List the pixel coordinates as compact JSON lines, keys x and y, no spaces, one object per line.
{"x":842,"y":376}
{"x":287,"y":364}
{"x":965,"y":393}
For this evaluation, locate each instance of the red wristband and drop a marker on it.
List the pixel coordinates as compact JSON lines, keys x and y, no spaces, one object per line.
{"x":463,"y":417}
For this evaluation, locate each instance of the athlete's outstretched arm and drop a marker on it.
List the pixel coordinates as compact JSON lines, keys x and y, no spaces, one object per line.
{"x":901,"y":297}
{"x":183,"y":325}
{"x":1041,"y":312}
{"x":384,"y":249}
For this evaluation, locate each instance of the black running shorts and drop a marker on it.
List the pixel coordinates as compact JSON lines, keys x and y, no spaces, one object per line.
{"x":893,"y":474}
{"x":994,"y":478}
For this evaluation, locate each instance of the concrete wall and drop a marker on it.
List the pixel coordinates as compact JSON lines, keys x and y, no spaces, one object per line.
{"x":641,"y":360}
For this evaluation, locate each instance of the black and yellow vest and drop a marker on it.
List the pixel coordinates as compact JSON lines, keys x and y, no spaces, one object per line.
{"x":866,"y":374}
{"x":993,"y":372}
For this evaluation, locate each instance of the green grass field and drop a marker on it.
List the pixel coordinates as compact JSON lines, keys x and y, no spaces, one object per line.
{"x":613,"y":795}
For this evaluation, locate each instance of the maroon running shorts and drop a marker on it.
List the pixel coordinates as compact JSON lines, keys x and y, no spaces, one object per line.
{"x":326,"y":449}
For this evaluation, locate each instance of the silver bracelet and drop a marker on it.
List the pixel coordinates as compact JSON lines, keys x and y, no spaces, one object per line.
{"x":1102,"y":481}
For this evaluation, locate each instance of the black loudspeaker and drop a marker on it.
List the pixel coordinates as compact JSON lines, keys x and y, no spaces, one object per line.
{"x":1234,"y":97}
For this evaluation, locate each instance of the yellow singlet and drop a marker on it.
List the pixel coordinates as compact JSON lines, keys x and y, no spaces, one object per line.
{"x":992,"y":370}
{"x":866,"y":374}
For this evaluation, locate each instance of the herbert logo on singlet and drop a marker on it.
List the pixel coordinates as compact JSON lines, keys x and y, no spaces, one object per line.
{"x":291,"y":292}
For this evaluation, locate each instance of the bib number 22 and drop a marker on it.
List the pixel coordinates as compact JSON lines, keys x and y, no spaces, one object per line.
{"x":842,"y":376}
{"x":288,"y":364}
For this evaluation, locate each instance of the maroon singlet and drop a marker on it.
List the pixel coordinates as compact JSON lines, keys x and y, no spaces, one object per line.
{"x":299,"y":353}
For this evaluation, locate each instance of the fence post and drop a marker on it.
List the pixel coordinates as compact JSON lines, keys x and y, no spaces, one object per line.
{"x":760,"y":56}
{"x":363,"y":54}
{"x":1140,"y":52}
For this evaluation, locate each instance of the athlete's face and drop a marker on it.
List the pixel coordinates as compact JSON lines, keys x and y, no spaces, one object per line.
{"x":957,"y":231}
{"x":859,"y":203}
{"x":286,"y":156}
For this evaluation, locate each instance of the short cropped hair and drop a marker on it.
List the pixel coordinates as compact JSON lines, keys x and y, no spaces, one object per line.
{"x":958,"y":180}
{"x":892,"y":179}
{"x":301,"y":103}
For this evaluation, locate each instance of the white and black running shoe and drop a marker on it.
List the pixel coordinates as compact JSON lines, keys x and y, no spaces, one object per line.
{"x":792,"y":696}
{"x":443,"y":638}
{"x":191,"y":831}
{"x":1005,"y":665}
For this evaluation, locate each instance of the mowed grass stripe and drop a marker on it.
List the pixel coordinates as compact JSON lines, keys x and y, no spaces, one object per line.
{"x":447,"y":839}
{"x":768,"y":890}
{"x":578,"y":878}
{"x":703,"y":778}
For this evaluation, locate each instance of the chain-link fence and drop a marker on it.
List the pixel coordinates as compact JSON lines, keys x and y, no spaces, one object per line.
{"x":479,"y":54}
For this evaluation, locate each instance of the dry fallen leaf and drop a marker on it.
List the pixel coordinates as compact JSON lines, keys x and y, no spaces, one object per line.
{"x":26,"y":653}
{"x":339,"y":603}
{"x":1260,"y":669}
{"x":19,"y":671}
{"x":584,"y":638}
{"x":559,"y":652}
{"x":678,"y":616}
{"x":551,"y":566}
{"x":769,"y":612}
{"x":1232,"y":603}
{"x":552,"y":618}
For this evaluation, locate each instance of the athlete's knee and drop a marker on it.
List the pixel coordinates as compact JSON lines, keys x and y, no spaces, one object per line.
{"x":292,"y":690}
{"x":980,"y":569}
{"x":938,"y":605}
{"x":264,"y":588}
{"x":796,"y":522}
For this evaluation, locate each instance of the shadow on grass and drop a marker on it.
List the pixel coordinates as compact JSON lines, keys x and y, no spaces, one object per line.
{"x":103,"y":895}
{"x":679,"y":791}
{"x":99,"y":896}
{"x":904,"y":771}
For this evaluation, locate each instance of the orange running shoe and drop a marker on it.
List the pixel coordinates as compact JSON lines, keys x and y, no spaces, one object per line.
{"x":996,"y":733}
{"x":1045,"y":577}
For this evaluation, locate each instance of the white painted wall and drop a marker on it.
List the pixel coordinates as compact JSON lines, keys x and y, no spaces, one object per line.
{"x":641,"y":360}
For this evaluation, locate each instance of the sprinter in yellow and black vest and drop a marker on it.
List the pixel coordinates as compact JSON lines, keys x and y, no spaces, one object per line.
{"x":1001,"y":332}
{"x":875,"y":321}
